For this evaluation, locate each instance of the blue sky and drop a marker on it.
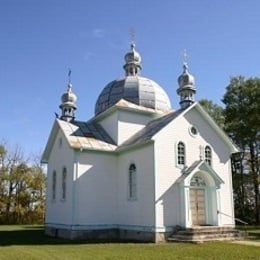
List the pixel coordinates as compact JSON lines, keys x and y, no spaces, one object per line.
{"x":41,"y":39}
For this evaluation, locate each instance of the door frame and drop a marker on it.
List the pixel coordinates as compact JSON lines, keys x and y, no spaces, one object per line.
{"x":205,"y":217}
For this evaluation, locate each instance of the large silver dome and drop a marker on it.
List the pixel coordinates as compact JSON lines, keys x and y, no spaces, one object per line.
{"x":133,"y":88}
{"x":138,"y":90}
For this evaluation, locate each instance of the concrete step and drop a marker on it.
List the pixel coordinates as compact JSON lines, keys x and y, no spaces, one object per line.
{"x":202,"y":234}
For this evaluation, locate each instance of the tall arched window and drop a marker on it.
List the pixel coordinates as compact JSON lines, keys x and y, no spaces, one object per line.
{"x":64,"y":183}
{"x":54,"y":183}
{"x":181,"y":154}
{"x":208,"y":155}
{"x":132,"y":191}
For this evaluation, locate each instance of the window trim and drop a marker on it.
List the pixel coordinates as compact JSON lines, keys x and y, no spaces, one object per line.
{"x":132,"y":182}
{"x":191,"y":128}
{"x":208,"y":155}
{"x":64,"y":177}
{"x":54,"y":185}
{"x":178,"y":155}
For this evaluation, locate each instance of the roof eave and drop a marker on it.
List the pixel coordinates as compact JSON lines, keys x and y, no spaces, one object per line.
{"x":232,"y":147}
{"x":49,"y":145}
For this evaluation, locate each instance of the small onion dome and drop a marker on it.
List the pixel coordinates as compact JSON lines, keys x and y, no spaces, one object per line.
{"x":133,"y":55}
{"x":187,"y":88}
{"x":133,"y":62}
{"x":186,"y":79}
{"x":69,"y":98}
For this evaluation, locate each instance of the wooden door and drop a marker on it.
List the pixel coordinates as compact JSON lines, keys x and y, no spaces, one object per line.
{"x":197,"y":206}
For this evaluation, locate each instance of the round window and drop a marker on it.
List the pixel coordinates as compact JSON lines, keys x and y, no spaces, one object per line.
{"x":193,"y":131}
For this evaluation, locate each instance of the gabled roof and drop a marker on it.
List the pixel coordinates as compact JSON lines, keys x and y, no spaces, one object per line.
{"x":80,"y":135}
{"x":156,"y":125}
{"x":232,"y":147}
{"x":91,"y":136}
{"x":199,"y":166}
{"x":128,"y":106}
{"x":151,"y":129}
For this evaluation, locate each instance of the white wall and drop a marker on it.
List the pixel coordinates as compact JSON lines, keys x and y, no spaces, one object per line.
{"x":122,"y":124}
{"x":139,"y":212}
{"x":130,"y":123}
{"x":110,"y":124}
{"x":168,"y":206}
{"x":221,"y":163}
{"x":59,"y":210}
{"x":96,"y":189}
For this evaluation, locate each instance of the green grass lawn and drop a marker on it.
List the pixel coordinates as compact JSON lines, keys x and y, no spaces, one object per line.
{"x":28,"y":242}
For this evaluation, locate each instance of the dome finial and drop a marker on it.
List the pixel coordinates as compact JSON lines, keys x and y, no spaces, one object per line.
{"x":132,"y":36}
{"x":185,"y":56}
{"x":185,"y":60}
{"x":69,"y":76}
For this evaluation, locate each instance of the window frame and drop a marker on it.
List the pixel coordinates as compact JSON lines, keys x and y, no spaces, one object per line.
{"x":181,"y":154}
{"x":64,"y":183}
{"x":132,"y":182}
{"x":208,"y":155}
{"x":54,"y":185}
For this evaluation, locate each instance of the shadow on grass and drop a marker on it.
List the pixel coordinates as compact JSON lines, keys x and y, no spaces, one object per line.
{"x":34,"y":235}
{"x":29,"y":236}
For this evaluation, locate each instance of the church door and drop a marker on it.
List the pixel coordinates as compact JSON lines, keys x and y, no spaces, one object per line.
{"x":197,"y":206}
{"x":198,"y":201}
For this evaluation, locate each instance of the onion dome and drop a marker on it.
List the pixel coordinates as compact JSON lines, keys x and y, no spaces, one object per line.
{"x":187,"y":88}
{"x":133,"y":88}
{"x":133,"y":62}
{"x":68,"y":105}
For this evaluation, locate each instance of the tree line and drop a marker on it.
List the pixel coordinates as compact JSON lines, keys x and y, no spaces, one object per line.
{"x":22,"y":188}
{"x":240,"y":119}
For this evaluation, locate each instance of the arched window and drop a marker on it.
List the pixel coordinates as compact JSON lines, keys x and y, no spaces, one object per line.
{"x":64,"y":183}
{"x":54,"y":182}
{"x":132,"y":182}
{"x":208,"y":155}
{"x":181,"y":154}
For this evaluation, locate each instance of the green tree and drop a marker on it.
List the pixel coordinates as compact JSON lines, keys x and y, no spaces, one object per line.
{"x":214,"y":110}
{"x":242,"y":123}
{"x":22,"y":188}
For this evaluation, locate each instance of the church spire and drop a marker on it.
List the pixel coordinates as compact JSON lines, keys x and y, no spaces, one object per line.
{"x":68,"y":102}
{"x":133,"y":62}
{"x":187,"y":88}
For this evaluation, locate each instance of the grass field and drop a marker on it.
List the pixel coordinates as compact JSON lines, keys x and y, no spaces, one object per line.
{"x":28,"y":242}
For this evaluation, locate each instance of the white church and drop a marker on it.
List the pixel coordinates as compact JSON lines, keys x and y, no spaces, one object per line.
{"x":139,"y":169}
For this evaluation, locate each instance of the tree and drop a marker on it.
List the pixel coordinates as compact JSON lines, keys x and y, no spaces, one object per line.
{"x":22,"y":188}
{"x":214,"y":110}
{"x":242,"y":123}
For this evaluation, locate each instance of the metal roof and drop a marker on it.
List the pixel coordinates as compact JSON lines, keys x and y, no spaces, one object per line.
{"x":136,"y":89}
{"x":87,"y":135}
